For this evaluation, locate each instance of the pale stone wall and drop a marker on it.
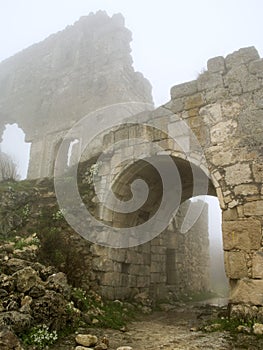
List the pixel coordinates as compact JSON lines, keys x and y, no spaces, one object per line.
{"x":171,"y":263}
{"x":223,"y":108}
{"x":49,"y":86}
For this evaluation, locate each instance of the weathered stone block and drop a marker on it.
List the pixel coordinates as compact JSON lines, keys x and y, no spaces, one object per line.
{"x":246,"y":189}
{"x":256,"y":67}
{"x":216,"y":94}
{"x":184,"y":89}
{"x":230,"y":214}
{"x":176,"y":105}
{"x":254,"y":208}
{"x":242,"y":234}
{"x":244,"y":55}
{"x":222,"y":131}
{"x":257,"y":265}
{"x":237,"y":174}
{"x":157,"y":267}
{"x":112,"y":279}
{"x":194,"y":101}
{"x":250,"y":84}
{"x":143,"y":281}
{"x":235,"y":264}
{"x":104,"y":264}
{"x":211,"y":114}
{"x":216,"y":64}
{"x":257,"y":170}
{"x":247,"y":291}
{"x":207,"y":81}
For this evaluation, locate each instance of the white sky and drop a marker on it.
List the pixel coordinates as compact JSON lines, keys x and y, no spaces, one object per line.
{"x":172,"y":39}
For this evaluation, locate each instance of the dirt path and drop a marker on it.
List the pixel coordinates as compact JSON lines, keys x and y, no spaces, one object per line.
{"x":169,"y":331}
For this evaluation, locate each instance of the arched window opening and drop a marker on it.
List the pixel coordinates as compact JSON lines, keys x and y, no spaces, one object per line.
{"x":14,"y":145}
{"x":73,"y":152}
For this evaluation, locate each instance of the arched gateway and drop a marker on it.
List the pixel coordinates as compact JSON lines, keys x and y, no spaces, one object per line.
{"x":211,"y":131}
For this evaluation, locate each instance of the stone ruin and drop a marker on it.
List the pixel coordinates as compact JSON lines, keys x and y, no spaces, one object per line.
{"x":50,"y":86}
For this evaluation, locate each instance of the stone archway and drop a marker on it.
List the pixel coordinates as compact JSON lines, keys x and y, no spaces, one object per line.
{"x":223,"y":109}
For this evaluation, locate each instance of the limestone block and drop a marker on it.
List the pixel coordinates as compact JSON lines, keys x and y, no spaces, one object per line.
{"x":139,"y":270}
{"x":111,"y":279}
{"x":157,"y":267}
{"x":230,"y":108}
{"x":244,"y":55}
{"x":247,"y":291}
{"x":133,"y":257}
{"x":143,"y":281}
{"x":242,"y":234}
{"x":176,"y":105}
{"x":235,"y":88}
{"x":211,"y":114}
{"x":207,"y":81}
{"x":216,"y":64}
{"x":105,"y":264}
{"x":246,"y":189}
{"x":257,"y":170}
{"x":235,"y":264}
{"x":194,"y":101}
{"x":238,"y":174}
{"x":252,"y":83}
{"x":256,"y":67}
{"x":222,"y":131}
{"x":216,"y":94}
{"x":184,"y":89}
{"x":254,"y":208}
{"x":230,"y":214}
{"x":257,"y":265}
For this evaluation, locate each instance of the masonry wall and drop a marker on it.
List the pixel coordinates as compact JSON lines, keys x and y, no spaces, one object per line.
{"x":223,"y":109}
{"x":171,"y":263}
{"x":49,"y":86}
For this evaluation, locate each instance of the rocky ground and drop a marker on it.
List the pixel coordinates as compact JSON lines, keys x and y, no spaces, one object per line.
{"x":34,"y":294}
{"x":172,"y":330}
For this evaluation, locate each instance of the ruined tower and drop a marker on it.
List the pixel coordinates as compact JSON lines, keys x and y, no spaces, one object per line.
{"x":49,"y":86}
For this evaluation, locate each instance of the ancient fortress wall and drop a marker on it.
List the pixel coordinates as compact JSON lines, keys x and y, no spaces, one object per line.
{"x":48,"y":87}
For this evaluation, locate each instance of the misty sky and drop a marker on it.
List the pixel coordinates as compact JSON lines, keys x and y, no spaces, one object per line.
{"x":172,"y":39}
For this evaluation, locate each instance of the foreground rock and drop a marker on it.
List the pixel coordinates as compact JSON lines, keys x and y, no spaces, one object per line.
{"x":86,"y":339}
{"x":9,"y":341}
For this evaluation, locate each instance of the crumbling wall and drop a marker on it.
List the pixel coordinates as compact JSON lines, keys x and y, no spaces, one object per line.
{"x":223,"y":109}
{"x":49,"y":86}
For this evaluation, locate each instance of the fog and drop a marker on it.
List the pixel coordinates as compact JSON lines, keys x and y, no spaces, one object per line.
{"x":172,"y":41}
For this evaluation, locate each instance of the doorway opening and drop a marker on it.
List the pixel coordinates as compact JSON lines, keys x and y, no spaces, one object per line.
{"x":14,"y":145}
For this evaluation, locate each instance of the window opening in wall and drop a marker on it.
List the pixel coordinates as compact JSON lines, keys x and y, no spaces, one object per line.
{"x":218,"y":281}
{"x":125,"y":267}
{"x":14,"y":145}
{"x":72,"y":152}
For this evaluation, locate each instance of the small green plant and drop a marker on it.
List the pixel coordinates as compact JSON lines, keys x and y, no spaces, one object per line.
{"x":40,"y":337}
{"x":110,"y":314}
{"x":22,"y":243}
{"x":25,"y":212}
{"x":58,"y":215}
{"x":227,"y":324}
